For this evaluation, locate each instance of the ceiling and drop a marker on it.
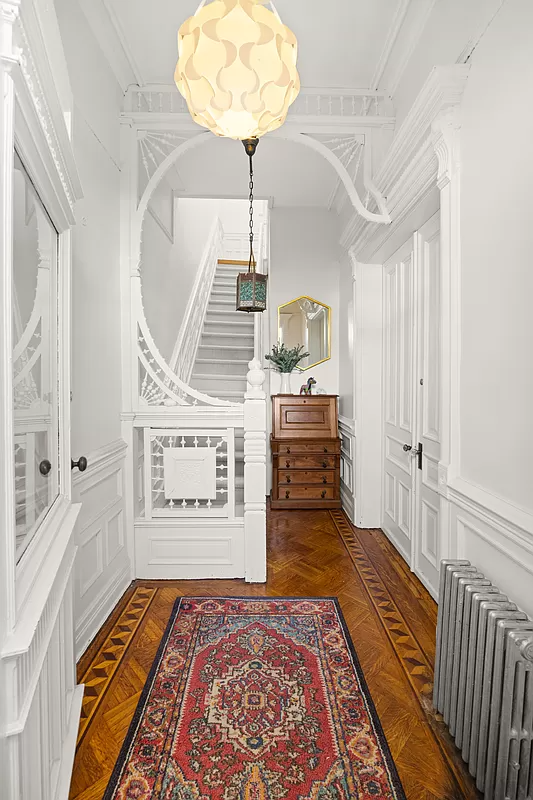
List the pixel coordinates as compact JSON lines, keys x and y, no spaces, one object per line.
{"x":342,"y":43}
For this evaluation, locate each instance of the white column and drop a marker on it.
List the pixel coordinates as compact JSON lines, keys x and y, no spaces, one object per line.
{"x":255,"y":475}
{"x":446,"y":131}
{"x":368,"y":348}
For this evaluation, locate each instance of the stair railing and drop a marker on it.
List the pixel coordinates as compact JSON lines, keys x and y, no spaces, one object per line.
{"x":186,"y":347}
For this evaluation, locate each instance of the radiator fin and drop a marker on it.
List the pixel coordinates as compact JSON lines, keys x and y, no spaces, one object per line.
{"x":484,"y":680}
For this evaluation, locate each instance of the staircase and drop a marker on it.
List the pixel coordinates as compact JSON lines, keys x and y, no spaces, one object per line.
{"x":227,"y":342}
{"x":226,"y":347}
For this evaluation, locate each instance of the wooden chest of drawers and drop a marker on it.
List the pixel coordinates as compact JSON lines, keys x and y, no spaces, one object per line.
{"x":305,"y":452}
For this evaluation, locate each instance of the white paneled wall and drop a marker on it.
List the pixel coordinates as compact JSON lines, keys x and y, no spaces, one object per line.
{"x":103,"y":569}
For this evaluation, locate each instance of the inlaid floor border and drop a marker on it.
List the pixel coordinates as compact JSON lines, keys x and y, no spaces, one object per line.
{"x":110,"y":654}
{"x":417,"y":667}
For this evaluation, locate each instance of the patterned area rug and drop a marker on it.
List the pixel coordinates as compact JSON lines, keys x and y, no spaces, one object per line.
{"x":255,"y":699}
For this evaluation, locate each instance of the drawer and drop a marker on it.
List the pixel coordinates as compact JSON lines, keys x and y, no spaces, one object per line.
{"x":286,"y":477}
{"x":306,"y":462}
{"x":306,"y":492}
{"x":313,"y":447}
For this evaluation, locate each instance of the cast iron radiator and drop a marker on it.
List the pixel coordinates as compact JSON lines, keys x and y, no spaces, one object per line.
{"x":484,"y":681}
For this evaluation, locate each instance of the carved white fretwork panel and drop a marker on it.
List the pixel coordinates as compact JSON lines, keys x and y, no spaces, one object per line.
{"x":189,"y":472}
{"x":153,"y":148}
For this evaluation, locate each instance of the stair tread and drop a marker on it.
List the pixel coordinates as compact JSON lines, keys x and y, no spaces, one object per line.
{"x":221,"y":361}
{"x":218,"y":377}
{"x":226,"y":346}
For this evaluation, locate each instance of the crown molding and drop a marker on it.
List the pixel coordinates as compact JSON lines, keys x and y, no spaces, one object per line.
{"x":407,"y":36}
{"x":392,"y":36}
{"x":109,"y":35}
{"x":409,"y":171}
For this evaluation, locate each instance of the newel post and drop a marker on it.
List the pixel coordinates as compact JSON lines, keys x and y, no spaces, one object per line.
{"x":255,"y":475}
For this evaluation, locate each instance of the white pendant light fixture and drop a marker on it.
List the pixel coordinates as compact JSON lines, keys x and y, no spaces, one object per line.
{"x":237,"y":68}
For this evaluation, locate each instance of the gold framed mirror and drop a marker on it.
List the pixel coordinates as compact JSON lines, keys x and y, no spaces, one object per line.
{"x":306,"y":321}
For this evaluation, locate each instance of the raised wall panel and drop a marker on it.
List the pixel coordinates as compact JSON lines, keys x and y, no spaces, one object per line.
{"x":430,"y":533}
{"x":405,"y":336}
{"x":91,"y":559}
{"x":431,"y":344}
{"x":115,"y":534}
{"x":404,"y":508}
{"x":391,"y":349}
{"x":390,"y":497}
{"x":102,"y":568}
{"x":184,"y":549}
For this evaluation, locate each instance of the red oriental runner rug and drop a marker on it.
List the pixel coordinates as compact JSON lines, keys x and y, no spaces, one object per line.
{"x":255,"y":699}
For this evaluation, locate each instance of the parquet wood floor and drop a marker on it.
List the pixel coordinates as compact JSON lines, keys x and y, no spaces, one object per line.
{"x":390,"y":616}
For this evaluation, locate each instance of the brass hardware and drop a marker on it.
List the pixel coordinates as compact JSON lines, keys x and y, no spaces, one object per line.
{"x":323,"y":493}
{"x":288,"y":449}
{"x":287,"y":464}
{"x":287,"y":494}
{"x":325,"y":449}
{"x":324,"y":464}
{"x":288,"y":478}
{"x":324,"y":479}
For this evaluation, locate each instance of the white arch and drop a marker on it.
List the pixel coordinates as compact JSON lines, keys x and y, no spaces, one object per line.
{"x":301,"y":138}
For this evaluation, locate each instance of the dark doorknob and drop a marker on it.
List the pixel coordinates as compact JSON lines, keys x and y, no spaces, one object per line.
{"x":45,"y":467}
{"x":81,"y":464}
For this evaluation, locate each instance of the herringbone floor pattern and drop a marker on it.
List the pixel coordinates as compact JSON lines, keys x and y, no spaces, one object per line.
{"x":310,"y":553}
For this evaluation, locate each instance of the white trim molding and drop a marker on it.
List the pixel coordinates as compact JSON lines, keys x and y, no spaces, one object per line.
{"x":408,"y":173}
{"x":496,"y":536}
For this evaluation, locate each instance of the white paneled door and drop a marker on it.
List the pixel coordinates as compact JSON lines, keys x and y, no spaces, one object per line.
{"x":411,"y":382}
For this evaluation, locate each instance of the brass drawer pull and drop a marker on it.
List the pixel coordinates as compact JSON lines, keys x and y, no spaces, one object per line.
{"x":323,"y":493}
{"x":288,"y":464}
{"x":324,"y":479}
{"x":288,"y":450}
{"x":324,"y":464}
{"x":288,"y":478}
{"x":287,"y":494}
{"x":325,"y":449}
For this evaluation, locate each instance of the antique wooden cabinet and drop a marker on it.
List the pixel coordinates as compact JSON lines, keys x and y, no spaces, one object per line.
{"x":305,"y":451}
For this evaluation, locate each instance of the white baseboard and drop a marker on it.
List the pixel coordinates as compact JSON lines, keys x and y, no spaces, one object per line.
{"x":93,"y":619}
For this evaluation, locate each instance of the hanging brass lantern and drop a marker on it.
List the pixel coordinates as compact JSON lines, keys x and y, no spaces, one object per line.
{"x":251,"y":285}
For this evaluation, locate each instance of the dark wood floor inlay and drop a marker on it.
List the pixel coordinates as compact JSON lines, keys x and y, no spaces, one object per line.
{"x":390,"y":616}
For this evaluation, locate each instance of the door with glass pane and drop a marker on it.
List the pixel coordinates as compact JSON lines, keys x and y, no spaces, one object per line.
{"x":35,"y":359}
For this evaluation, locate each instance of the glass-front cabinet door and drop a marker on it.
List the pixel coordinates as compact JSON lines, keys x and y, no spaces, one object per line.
{"x":35,"y":359}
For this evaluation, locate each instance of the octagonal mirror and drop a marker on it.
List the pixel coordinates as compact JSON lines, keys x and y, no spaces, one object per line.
{"x":307,"y":322}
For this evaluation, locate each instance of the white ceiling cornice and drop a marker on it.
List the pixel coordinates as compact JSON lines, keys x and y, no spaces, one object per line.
{"x":109,"y":35}
{"x":407,"y":29}
{"x":392,"y":36}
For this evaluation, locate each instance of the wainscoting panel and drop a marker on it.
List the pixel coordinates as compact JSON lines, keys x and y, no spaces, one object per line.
{"x":348,"y":444}
{"x":102,"y":569}
{"x":495,"y":536}
{"x":180,"y":549}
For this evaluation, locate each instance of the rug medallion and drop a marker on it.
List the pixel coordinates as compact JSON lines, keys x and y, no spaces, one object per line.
{"x":255,"y":699}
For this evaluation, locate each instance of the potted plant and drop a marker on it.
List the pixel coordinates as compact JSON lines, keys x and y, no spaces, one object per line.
{"x":285,"y":360}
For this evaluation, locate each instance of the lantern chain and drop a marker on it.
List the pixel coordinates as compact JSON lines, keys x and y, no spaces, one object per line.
{"x":251,"y":262}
